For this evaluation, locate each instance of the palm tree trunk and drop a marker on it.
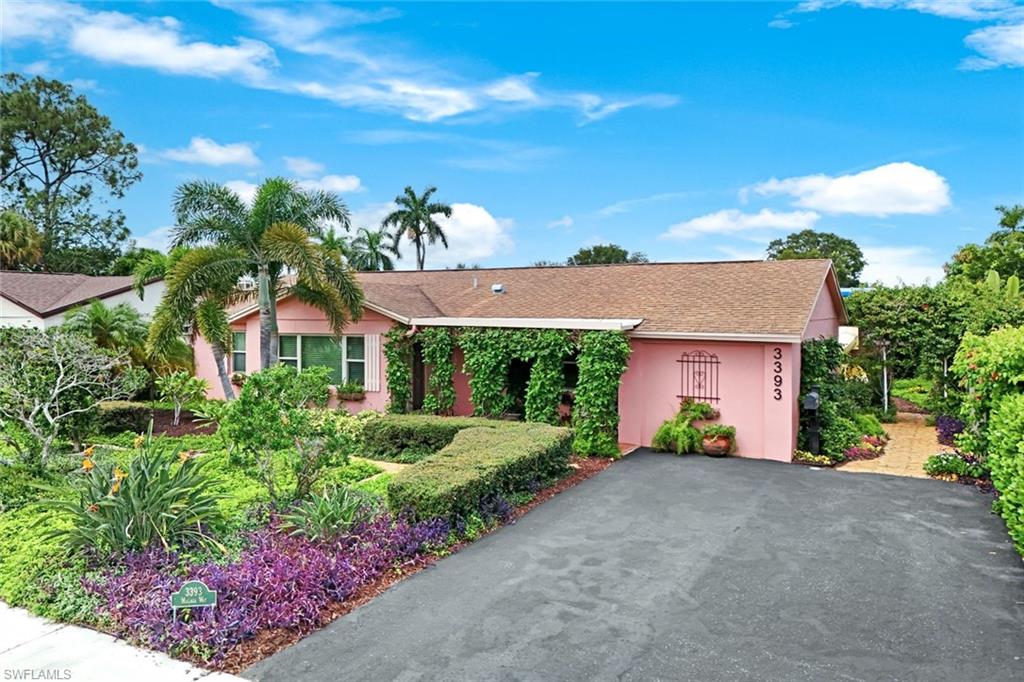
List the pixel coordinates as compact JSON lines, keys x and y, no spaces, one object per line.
{"x":421,"y":255}
{"x":266,"y":319}
{"x":222,"y":372}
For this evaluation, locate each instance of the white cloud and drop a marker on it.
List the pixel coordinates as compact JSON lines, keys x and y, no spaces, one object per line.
{"x":301,"y":166}
{"x":37,"y":21}
{"x":886,"y":190}
{"x":414,"y":101}
{"x":513,"y":89}
{"x":1000,"y":45}
{"x":371,"y":215}
{"x":334,"y":183}
{"x":159,"y":239}
{"x":245,"y":190}
{"x":971,"y":10}
{"x":594,"y":108}
{"x":563,"y":222}
{"x":892,"y":265}
{"x":203,"y":150}
{"x":474,"y":235}
{"x":40,"y":68}
{"x":731,"y":221}
{"x":627,"y":205}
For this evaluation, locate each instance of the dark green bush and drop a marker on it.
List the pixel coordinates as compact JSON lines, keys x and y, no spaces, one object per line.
{"x":1006,"y":459}
{"x":413,"y":437}
{"x":481,"y":462}
{"x":123,"y":415}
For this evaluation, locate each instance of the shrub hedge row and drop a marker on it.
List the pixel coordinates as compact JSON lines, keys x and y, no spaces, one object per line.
{"x":123,"y":415}
{"x":409,"y":438}
{"x":1006,"y":459}
{"x":481,"y":461}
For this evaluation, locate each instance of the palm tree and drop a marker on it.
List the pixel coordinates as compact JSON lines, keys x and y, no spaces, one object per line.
{"x":21,"y":244}
{"x":199,"y":289}
{"x":370,"y":250}
{"x":274,"y":237}
{"x":1011,"y":217}
{"x":415,"y":219}
{"x":114,"y":327}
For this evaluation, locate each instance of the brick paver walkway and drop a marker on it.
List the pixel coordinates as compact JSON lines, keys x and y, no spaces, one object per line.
{"x":911,"y":442}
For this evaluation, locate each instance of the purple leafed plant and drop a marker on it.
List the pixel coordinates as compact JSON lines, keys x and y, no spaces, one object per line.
{"x":278,"y":581}
{"x":947,"y":429}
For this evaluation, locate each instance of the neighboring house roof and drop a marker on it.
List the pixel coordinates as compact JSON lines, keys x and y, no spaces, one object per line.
{"x":728,"y":299}
{"x":47,"y":294}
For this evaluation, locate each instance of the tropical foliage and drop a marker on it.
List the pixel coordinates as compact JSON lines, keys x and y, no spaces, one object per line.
{"x":595,"y":418}
{"x":21,"y":244}
{"x":181,"y":389}
{"x":415,"y":220}
{"x":372,"y":250}
{"x":846,"y":256}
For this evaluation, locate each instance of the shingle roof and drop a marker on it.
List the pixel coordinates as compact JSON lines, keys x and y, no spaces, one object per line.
{"x":729,"y":297}
{"x":46,"y":294}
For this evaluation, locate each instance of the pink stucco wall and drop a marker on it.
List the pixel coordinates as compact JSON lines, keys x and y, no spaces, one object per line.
{"x":765,"y":425}
{"x":825,"y":318}
{"x":295,"y":317}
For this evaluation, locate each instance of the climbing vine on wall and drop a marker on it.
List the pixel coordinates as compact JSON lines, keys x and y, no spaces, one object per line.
{"x":398,"y":352}
{"x":486,"y":358}
{"x":547,"y":348}
{"x":602,"y":360}
{"x":438,"y":345}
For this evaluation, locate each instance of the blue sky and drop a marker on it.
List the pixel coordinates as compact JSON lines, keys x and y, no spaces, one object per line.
{"x":694,"y":131}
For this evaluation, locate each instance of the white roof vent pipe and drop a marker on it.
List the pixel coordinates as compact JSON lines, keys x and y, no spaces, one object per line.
{"x":497,"y":288}
{"x":475,"y":283}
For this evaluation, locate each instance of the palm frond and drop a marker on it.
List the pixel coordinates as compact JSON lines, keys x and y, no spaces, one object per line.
{"x":291,"y":245}
{"x":212,"y":322}
{"x":205,"y":211}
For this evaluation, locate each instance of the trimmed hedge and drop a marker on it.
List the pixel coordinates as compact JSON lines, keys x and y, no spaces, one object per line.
{"x":1006,"y":459}
{"x":123,"y":415}
{"x":409,"y":438}
{"x":481,"y":461}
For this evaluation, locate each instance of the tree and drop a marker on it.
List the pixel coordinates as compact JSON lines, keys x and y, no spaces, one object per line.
{"x":182,"y":389}
{"x":414,"y":218}
{"x":49,"y":379}
{"x":56,"y":153}
{"x":846,"y":256}
{"x":128,"y":261}
{"x":1003,"y":251}
{"x":605,"y":254}
{"x":117,"y":327}
{"x":21,"y":244}
{"x":276,"y":234}
{"x":370,"y":250}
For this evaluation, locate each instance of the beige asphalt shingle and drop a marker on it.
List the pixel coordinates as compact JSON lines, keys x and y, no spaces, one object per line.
{"x":48,"y":293}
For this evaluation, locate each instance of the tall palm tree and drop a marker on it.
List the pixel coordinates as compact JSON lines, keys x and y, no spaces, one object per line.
{"x":370,"y":250}
{"x":200,"y":287}
{"x":116,"y":327}
{"x":273,"y":238}
{"x":414,"y":218}
{"x":21,"y":244}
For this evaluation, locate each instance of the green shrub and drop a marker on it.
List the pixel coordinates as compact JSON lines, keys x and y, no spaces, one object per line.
{"x":479,"y":462}
{"x":375,"y":485}
{"x":123,"y":415}
{"x":353,"y":472}
{"x":595,"y":415}
{"x":181,"y":389}
{"x":678,"y":434}
{"x":331,"y":513}
{"x":413,"y":437}
{"x":869,"y":425}
{"x":19,"y":485}
{"x":1006,"y":460}
{"x":156,"y":501}
{"x":949,"y":463}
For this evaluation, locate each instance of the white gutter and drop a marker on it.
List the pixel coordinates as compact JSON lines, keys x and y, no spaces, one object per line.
{"x":528,"y":322}
{"x":717,"y":336}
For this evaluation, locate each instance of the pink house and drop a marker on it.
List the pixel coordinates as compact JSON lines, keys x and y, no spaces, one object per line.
{"x":728,"y":333}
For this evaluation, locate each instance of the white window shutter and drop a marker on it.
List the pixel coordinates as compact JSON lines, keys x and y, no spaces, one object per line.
{"x":372,"y":350}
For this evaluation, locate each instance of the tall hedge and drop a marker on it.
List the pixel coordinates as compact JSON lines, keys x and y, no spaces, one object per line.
{"x":1006,"y":460}
{"x":602,"y":360}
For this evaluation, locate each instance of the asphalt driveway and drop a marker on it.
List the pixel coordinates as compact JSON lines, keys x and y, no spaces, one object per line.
{"x":695,"y":568}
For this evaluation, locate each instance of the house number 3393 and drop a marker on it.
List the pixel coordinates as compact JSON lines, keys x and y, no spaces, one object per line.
{"x":777,"y":373}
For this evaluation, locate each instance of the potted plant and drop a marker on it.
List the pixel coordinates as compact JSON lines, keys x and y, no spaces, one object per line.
{"x":238,"y":378}
{"x":718,"y":440}
{"x":351,"y":390}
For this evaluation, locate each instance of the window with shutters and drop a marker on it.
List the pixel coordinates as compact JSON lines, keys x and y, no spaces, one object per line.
{"x":345,"y":356}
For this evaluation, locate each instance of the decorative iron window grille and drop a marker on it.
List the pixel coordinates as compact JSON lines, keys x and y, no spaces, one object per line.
{"x":699,"y":379}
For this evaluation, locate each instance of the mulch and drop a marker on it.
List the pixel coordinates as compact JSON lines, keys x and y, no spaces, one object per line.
{"x":163,"y":424}
{"x":269,"y":642}
{"x":903,"y":405}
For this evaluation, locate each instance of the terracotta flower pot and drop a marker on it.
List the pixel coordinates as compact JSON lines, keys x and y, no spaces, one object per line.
{"x":361,"y":395}
{"x":717,"y":446}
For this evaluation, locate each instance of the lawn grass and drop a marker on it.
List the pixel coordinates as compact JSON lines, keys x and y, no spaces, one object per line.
{"x":916,"y":390}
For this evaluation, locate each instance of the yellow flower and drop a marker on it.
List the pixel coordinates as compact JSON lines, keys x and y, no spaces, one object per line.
{"x":186,"y":455}
{"x":139,"y":440}
{"x":87,"y":464}
{"x":120,"y":474}
{"x":88,"y":451}
{"x":116,"y":487}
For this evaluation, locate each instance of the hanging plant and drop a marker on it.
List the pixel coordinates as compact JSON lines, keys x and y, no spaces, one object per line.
{"x":547,"y":348}
{"x":602,"y":360}
{"x":398,"y":352}
{"x":486,"y":358}
{"x":438,"y":345}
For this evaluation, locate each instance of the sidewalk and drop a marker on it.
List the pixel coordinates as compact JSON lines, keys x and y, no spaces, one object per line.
{"x":911,"y":442}
{"x":33,"y":648}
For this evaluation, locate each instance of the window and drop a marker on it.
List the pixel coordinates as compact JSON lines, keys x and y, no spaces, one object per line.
{"x":345,"y":357}
{"x":288,"y":350}
{"x":238,"y":352}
